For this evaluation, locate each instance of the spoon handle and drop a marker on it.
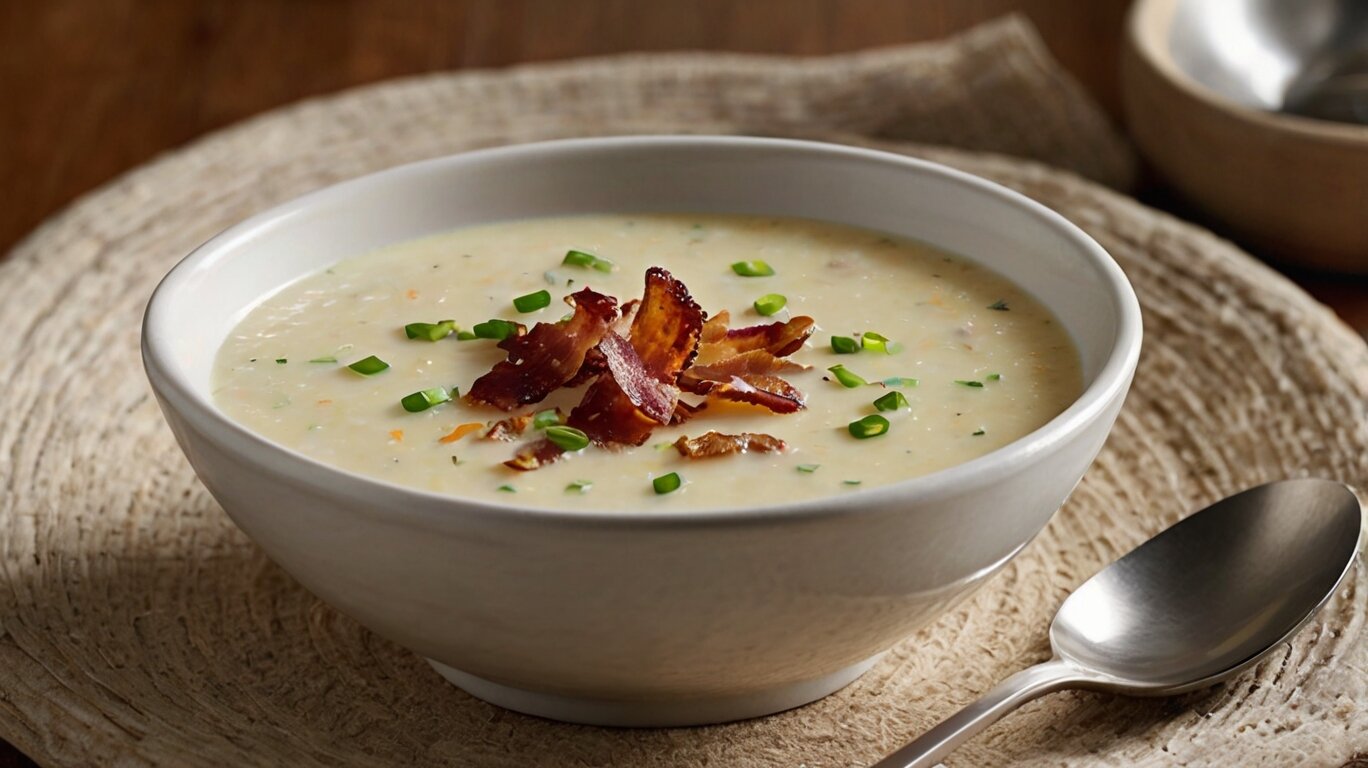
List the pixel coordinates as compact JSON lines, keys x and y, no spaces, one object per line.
{"x":929,"y":748}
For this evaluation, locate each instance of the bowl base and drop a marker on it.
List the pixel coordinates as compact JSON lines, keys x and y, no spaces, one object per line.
{"x":654,"y":714}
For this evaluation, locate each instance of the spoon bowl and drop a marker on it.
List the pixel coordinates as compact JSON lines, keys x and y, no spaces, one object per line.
{"x":1200,"y":602}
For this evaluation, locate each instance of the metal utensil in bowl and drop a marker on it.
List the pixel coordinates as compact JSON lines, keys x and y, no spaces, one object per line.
{"x":1202,"y":601}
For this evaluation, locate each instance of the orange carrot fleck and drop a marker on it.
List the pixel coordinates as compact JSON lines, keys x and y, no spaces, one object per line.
{"x":460,"y":432}
{"x":412,"y":294}
{"x":397,"y":435}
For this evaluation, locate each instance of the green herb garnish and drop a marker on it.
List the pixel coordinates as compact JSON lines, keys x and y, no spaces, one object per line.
{"x":847,"y":379}
{"x":770,"y":303}
{"x":547,"y":418}
{"x":900,"y":381}
{"x":325,"y":359}
{"x":969,"y":383}
{"x":579,"y":486}
{"x":582,"y":259}
{"x":281,"y":361}
{"x":495,"y":329}
{"x":567,"y":438}
{"x":844,"y":345}
{"x":424,"y":399}
{"x":667,"y":483}
{"x":533,"y":301}
{"x":506,"y":488}
{"x":980,"y":432}
{"x":876,"y":342}
{"x":369,"y":366}
{"x":430,"y":331}
{"x":808,"y":468}
{"x":999,"y":305}
{"x":867,"y":427}
{"x":753,"y":268}
{"x":995,"y":377}
{"x":466,"y":336}
{"x":892,"y":401}
{"x":851,"y":482}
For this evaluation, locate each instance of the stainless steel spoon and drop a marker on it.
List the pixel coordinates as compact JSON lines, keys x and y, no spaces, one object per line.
{"x":1202,"y":601}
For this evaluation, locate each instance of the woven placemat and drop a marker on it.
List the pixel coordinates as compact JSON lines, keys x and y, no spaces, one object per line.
{"x":140,"y":627}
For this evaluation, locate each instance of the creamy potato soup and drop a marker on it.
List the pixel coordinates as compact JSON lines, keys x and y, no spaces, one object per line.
{"x":940,"y":361}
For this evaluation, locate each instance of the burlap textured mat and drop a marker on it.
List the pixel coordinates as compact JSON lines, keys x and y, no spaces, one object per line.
{"x":137,"y":626}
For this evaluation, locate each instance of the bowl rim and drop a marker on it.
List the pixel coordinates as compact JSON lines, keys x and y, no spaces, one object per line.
{"x":1147,"y":26}
{"x":402,"y":504}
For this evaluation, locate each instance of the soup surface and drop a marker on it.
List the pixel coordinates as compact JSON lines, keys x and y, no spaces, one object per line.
{"x":977,"y":361}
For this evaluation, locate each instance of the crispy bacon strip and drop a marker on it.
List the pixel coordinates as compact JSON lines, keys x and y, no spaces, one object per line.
{"x":759,"y":389}
{"x":547,"y":356}
{"x":594,"y":361}
{"x":754,"y":362}
{"x":716,"y":327}
{"x":624,"y":406}
{"x":720,"y":444}
{"x":779,"y":339}
{"x":653,"y":397}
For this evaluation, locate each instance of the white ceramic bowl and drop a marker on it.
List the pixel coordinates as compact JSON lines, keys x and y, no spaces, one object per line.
{"x":664,"y":618}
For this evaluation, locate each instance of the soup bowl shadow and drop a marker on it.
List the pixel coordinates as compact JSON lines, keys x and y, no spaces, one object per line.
{"x":662,"y":617}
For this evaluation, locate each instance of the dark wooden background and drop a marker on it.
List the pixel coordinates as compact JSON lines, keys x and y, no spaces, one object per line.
{"x":91,"y":88}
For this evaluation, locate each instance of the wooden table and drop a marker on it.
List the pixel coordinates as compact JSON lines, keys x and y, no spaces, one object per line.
{"x":94,"y":87}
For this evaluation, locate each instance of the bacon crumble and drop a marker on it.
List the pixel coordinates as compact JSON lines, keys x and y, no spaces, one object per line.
{"x":714,"y":443}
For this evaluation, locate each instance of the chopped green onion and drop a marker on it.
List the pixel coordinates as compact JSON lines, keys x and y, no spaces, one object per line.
{"x":844,"y":345}
{"x":808,"y":468}
{"x":424,"y":399}
{"x":754,"y":268}
{"x":999,"y":305}
{"x":369,"y":366}
{"x":663,"y":446}
{"x":430,"y":331}
{"x":495,"y":329}
{"x":667,"y":483}
{"x":533,"y":301}
{"x":281,"y":361}
{"x":877,"y":342}
{"x":547,"y":418}
{"x":506,"y":488}
{"x":567,"y":438}
{"x":967,"y":383}
{"x":900,"y":381}
{"x":867,"y":427}
{"x":892,"y":401}
{"x":455,"y":461}
{"x":582,"y":259}
{"x":466,"y":336}
{"x":325,"y":359}
{"x":847,"y":379}
{"x":995,"y":377}
{"x":770,"y":303}
{"x":579,"y":486}
{"x":980,"y":432}
{"x":851,"y":482}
